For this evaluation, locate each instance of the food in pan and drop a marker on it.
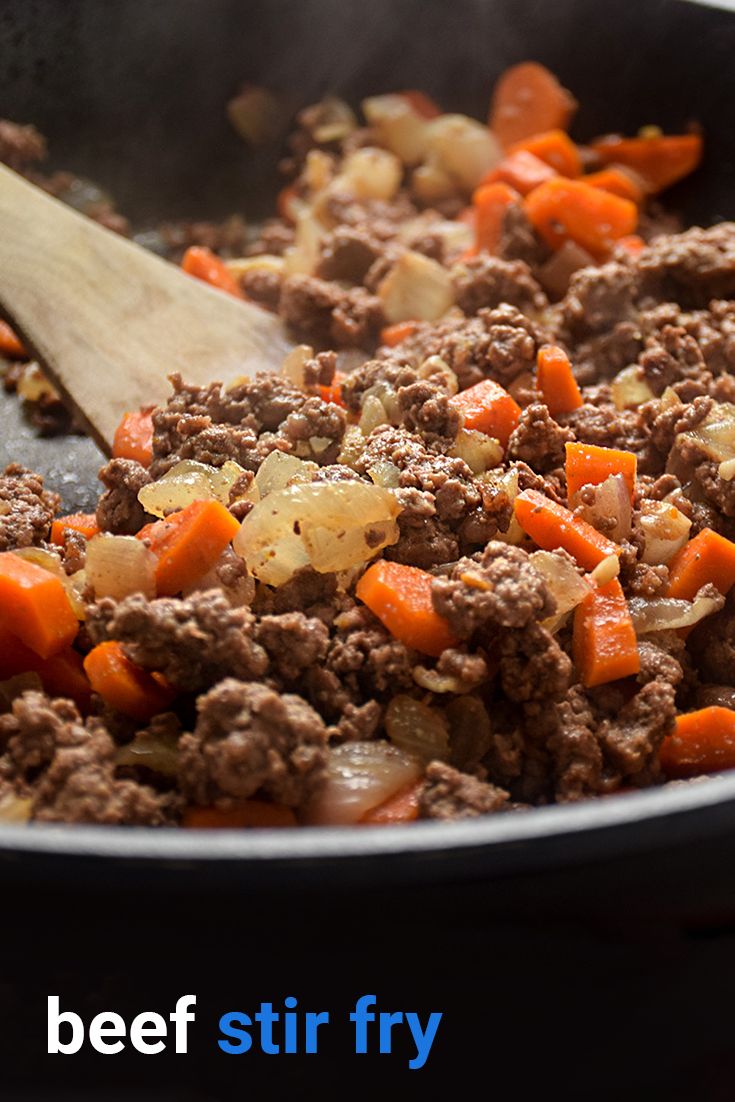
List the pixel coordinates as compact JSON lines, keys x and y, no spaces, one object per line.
{"x":469,"y":552}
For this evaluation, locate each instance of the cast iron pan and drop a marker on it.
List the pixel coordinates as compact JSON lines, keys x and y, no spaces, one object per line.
{"x":132,"y":96}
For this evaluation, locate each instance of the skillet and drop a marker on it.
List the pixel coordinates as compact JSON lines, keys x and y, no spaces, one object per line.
{"x":132,"y":96}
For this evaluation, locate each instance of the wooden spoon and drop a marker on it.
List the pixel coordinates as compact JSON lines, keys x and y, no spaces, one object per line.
{"x":109,"y":321}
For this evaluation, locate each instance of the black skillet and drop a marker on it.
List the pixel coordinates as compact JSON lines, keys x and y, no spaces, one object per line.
{"x":132,"y":95}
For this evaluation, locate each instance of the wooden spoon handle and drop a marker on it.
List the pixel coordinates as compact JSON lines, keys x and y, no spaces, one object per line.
{"x":110,"y":321}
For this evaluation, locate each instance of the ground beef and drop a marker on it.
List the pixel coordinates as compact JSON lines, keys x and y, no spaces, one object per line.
{"x":502,"y":589}
{"x":193,"y":642}
{"x":631,"y":740}
{"x":20,"y":146}
{"x":347,"y":253}
{"x":293,"y":643}
{"x":538,"y":440}
{"x":248,"y":739}
{"x":488,"y":281}
{"x":119,"y":510}
{"x":26,"y":509}
{"x":427,"y":410}
{"x":575,"y":756}
{"x":712,"y":644}
{"x":498,"y":344}
{"x":380,"y":374}
{"x":448,"y":794}
{"x":262,"y":285}
{"x":326,"y":315}
{"x":690,"y":268}
{"x":598,"y":298}
{"x":532,"y":665}
{"x":518,"y":240}
{"x":315,"y":430}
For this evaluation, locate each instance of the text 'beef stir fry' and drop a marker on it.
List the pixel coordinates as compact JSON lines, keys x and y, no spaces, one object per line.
{"x":469,"y":551}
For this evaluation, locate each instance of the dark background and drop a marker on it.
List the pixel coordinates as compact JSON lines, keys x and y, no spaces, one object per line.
{"x":607,"y":979}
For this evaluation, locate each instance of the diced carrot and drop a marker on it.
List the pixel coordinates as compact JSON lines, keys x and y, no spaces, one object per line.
{"x":632,"y":244}
{"x":555,"y":148}
{"x":134,"y":437}
{"x":125,"y":686}
{"x":489,"y":408}
{"x":660,"y":159}
{"x":401,"y":807}
{"x":589,"y":465}
{"x":571,"y":210}
{"x":333,"y":392}
{"x":400,"y":596}
{"x":203,"y":264}
{"x":708,"y":557}
{"x":528,"y":99}
{"x":188,"y":544}
{"x":491,"y":202}
{"x":400,"y":331}
{"x":618,"y":182}
{"x":550,"y":526}
{"x":604,"y":644}
{"x":702,"y":742}
{"x":61,"y":675}
{"x":34,"y":606}
{"x":10,"y":344}
{"x":85,"y":523}
{"x":252,"y":813}
{"x":555,"y":380}
{"x":422,"y":104}
{"x":521,"y":170}
{"x":287,"y":203}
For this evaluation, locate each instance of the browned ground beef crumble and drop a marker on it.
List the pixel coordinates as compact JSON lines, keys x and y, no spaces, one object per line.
{"x":268,"y":684}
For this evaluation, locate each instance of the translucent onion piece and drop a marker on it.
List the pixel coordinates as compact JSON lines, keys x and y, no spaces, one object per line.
{"x":417,"y":729}
{"x":372,"y":414}
{"x":370,"y":173}
{"x":33,"y":385}
{"x":119,"y":565}
{"x":667,"y":613}
{"x":186,"y":482}
{"x":437,"y":369}
{"x":360,"y":776}
{"x":386,"y":474}
{"x":279,"y":470}
{"x":398,"y":126}
{"x":435,"y":682}
{"x":470,"y":731}
{"x":666,"y":530}
{"x":630,"y":389}
{"x":611,"y":502}
{"x":416,"y":288}
{"x":566,"y":584}
{"x":480,"y":452}
{"x":157,"y":752}
{"x":464,"y":148}
{"x":431,"y":183}
{"x":75,"y":585}
{"x":292,"y":367}
{"x":330,"y":526}
{"x":353,"y":445}
{"x":716,"y":433}
{"x":256,"y":115}
{"x":240,"y":265}
{"x":726,"y":470}
{"x":15,"y":809}
{"x":336,"y":120}
{"x":303,"y":256}
{"x":503,"y":485}
{"x":606,"y":570}
{"x":39,"y":556}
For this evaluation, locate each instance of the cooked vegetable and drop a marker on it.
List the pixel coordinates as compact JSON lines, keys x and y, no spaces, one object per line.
{"x":398,"y":125}
{"x":333,"y":392}
{"x":660,"y":160}
{"x":400,"y":596}
{"x":10,"y":344}
{"x":361,"y":776}
{"x":604,"y":643}
{"x":330,"y":526}
{"x":555,"y":379}
{"x":117,"y":566}
{"x":523,"y":171}
{"x":589,"y":465}
{"x":479,"y":451}
{"x":395,"y":334}
{"x":370,"y":173}
{"x":202,"y":263}
{"x":60,"y":675}
{"x":550,"y":525}
{"x":610,"y":509}
{"x":279,"y":470}
{"x":490,"y":203}
{"x":489,"y":408}
{"x":629,"y":387}
{"x":416,"y":288}
{"x":186,"y":482}
{"x":702,"y":742}
{"x":617,"y":181}
{"x":565,"y":583}
{"x":134,"y":437}
{"x":417,"y":728}
{"x":669,"y":613}
{"x":124,"y":686}
{"x":555,"y":148}
{"x":84,"y":523}
{"x":251,"y":813}
{"x":403,"y":807}
{"x":34,"y":606}
{"x":708,"y":557}
{"x":563,"y":210}
{"x":715,"y":433}
{"x":188,"y":544}
{"x":463,"y":148}
{"x":15,"y":809}
{"x":528,"y":100}
{"x":256,"y":114}
{"x":666,"y":530}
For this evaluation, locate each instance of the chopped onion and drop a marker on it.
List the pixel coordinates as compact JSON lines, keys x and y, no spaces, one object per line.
{"x":463,"y":147}
{"x":360,"y":775}
{"x":119,"y":565}
{"x":186,"y":482}
{"x":15,"y":809}
{"x":668,"y":613}
{"x":435,"y":682}
{"x":386,"y":474}
{"x":331,"y":526}
{"x":726,"y":470}
{"x":555,"y":273}
{"x":565,"y":583}
{"x":606,"y":570}
{"x":75,"y":585}
{"x":416,"y":288}
{"x":370,"y":173}
{"x":292,"y":367}
{"x":666,"y":530}
{"x":318,"y":170}
{"x":417,"y":729}
{"x":716,"y":433}
{"x":256,"y":115}
{"x":279,"y":470}
{"x":159,"y":752}
{"x":470,"y":731}
{"x":372,"y":414}
{"x":398,"y":126}
{"x":502,"y":484}
{"x":39,"y":556}
{"x":630,"y":389}
{"x":240,"y":265}
{"x":33,"y":384}
{"x":336,"y":120}
{"x":431,"y":183}
{"x":303,"y":256}
{"x":479,"y":451}
{"x":437,"y":369}
{"x":353,"y":445}
{"x":611,"y":502}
